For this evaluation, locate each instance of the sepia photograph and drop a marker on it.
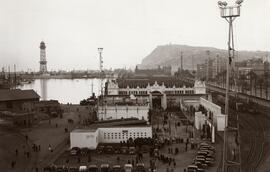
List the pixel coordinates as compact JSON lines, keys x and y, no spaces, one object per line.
{"x":134,"y":86}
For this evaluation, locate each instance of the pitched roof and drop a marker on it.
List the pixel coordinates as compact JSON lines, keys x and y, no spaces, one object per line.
{"x":11,"y":95}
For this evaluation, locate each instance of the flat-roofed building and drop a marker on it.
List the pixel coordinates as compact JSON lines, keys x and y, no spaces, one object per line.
{"x":114,"y":131}
{"x":109,"y":112}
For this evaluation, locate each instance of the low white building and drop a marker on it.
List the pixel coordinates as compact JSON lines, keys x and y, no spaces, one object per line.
{"x":109,"y":132}
{"x":214,"y":114}
{"x":84,"y":138}
{"x":115,"y":134}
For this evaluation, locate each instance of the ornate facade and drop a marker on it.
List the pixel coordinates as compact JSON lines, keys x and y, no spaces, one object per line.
{"x":154,"y":89}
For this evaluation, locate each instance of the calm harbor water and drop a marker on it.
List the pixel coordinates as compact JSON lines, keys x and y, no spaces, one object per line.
{"x":64,"y":90}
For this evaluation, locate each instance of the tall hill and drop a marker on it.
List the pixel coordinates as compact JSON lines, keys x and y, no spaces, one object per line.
{"x":165,"y":55}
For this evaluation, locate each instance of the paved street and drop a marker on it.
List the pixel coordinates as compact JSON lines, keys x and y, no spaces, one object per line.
{"x":44,"y":134}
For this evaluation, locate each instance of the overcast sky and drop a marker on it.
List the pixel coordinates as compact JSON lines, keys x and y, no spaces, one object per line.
{"x":128,"y":30}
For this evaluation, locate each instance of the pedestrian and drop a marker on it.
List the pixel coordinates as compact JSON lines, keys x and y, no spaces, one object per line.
{"x":36,"y":169}
{"x":89,"y":158}
{"x":174,"y":163}
{"x":28,"y":154}
{"x":12,"y":164}
{"x":16,"y":151}
{"x":234,"y":154}
{"x":167,"y":169}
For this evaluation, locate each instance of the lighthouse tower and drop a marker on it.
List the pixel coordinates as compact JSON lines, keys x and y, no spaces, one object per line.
{"x":43,"y":62}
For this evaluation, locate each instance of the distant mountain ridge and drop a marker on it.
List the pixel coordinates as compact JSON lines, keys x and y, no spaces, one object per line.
{"x":165,"y":55}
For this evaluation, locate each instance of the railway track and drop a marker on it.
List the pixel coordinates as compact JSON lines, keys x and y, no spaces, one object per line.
{"x":253,"y":127}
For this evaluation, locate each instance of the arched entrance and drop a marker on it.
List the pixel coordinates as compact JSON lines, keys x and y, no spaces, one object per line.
{"x":156,"y":99}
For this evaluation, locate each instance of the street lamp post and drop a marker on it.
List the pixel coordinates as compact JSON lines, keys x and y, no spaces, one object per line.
{"x":229,"y":13}
{"x":101,"y":80}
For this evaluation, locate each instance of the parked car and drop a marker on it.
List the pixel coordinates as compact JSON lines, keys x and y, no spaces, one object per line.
{"x":116,"y":168}
{"x":207,"y":148}
{"x":92,"y":168}
{"x":85,"y":151}
{"x":200,"y":165}
{"x":209,"y":161}
{"x":75,"y":151}
{"x":201,"y":161}
{"x":73,"y":169}
{"x":144,"y":149}
{"x":140,"y":167}
{"x":104,"y":168}
{"x":203,"y":153}
{"x":100,"y":149}
{"x":109,"y":149}
{"x":117,"y":150}
{"x":128,"y":167}
{"x":132,"y":150}
{"x":192,"y":168}
{"x":47,"y":169}
{"x":83,"y":168}
{"x":59,"y":168}
{"x":124,"y":150}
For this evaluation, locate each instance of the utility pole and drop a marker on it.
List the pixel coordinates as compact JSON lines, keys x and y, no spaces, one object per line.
{"x":9,"y":78}
{"x":15,"y":77}
{"x":192,"y":58}
{"x":181,"y":53}
{"x":207,"y":65}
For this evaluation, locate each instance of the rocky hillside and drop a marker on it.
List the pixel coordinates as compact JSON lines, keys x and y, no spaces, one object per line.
{"x":165,"y":55}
